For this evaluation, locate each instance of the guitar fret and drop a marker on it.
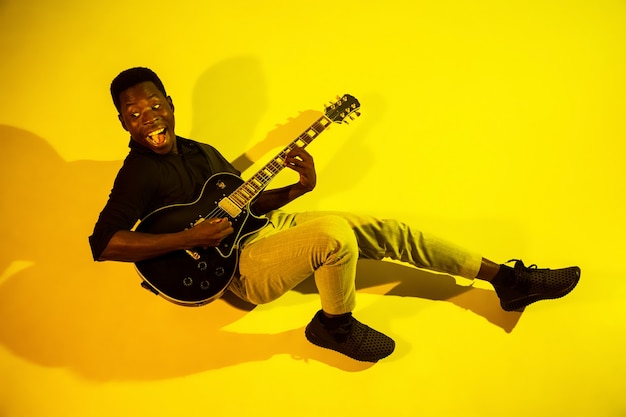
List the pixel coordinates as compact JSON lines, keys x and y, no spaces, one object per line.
{"x":275,"y":166}
{"x":238,"y":199}
{"x":246,"y":193}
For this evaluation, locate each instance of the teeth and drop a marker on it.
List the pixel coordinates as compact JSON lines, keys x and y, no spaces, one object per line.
{"x":157,"y":132}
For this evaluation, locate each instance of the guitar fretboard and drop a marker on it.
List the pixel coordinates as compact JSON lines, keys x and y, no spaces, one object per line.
{"x":251,"y":188}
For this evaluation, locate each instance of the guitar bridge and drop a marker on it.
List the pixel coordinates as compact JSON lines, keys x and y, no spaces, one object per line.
{"x":229,"y":207}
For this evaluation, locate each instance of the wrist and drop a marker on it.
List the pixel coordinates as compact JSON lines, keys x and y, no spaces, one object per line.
{"x":297,"y":190}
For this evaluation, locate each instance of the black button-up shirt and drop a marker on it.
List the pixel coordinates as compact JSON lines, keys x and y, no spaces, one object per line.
{"x":148,"y":181}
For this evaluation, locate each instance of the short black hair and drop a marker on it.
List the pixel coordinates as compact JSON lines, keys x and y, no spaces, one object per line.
{"x":131,"y":77}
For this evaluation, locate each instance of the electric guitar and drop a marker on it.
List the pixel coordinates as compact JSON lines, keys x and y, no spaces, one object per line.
{"x":198,"y":276}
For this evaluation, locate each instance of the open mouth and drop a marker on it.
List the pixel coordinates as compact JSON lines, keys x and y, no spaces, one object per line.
{"x":157,"y":137}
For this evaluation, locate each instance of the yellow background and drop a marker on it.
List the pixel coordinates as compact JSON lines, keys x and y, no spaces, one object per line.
{"x":498,"y":125}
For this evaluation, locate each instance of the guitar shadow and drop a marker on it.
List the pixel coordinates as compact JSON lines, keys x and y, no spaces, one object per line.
{"x":394,"y":279}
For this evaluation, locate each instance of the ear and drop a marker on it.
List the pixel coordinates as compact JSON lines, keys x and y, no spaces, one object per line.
{"x":121,"y":119}
{"x":169,"y":99}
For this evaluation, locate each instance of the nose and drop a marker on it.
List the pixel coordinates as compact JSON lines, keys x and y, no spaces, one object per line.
{"x":148,"y":117}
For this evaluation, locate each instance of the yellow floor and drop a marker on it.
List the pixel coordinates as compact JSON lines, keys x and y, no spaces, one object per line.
{"x":496,"y":125}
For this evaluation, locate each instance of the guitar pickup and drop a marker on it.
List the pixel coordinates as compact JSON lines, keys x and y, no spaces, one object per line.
{"x":229,"y":207}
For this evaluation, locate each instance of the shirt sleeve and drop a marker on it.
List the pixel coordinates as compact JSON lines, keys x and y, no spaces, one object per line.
{"x":124,"y":206}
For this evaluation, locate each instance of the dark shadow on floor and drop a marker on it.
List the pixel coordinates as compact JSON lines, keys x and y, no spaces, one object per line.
{"x":393,"y":279}
{"x":58,"y":308}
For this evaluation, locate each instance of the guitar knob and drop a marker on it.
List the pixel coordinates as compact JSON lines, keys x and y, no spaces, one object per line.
{"x":187,"y":281}
{"x":219,"y":272}
{"x":202,"y":266}
{"x":205,"y":285}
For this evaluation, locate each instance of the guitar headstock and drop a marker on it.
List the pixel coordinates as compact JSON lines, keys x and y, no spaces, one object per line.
{"x":345,"y":107}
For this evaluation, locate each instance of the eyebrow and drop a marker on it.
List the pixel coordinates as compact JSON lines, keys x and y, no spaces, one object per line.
{"x":132,"y":103}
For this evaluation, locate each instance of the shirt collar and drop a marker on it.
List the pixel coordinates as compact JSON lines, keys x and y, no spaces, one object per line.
{"x":182,"y":144}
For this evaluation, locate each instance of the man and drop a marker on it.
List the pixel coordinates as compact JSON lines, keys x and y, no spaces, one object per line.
{"x":163,"y":169}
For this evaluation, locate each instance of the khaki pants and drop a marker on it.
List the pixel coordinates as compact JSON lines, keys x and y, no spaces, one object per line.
{"x":328,"y":245}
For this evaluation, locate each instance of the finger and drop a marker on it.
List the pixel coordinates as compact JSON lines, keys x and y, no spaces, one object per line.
{"x":226,"y":232}
{"x":300,"y":153}
{"x":294,"y":159}
{"x":225,"y":224}
{"x":298,"y":167}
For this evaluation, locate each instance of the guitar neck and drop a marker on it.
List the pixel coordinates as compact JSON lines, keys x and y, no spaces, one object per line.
{"x":250,"y":189}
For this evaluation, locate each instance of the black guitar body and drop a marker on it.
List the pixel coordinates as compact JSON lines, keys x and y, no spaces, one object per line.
{"x":198,"y":276}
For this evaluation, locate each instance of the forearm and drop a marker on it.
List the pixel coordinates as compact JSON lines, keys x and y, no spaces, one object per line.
{"x":127,"y":246}
{"x":274,"y":199}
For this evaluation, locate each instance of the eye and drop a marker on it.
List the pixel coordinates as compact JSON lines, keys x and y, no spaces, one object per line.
{"x":134,"y":115}
{"x":156,"y":106}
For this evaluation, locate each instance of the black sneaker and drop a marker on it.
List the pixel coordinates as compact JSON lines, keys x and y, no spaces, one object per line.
{"x":532,"y":284}
{"x":353,"y":339}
